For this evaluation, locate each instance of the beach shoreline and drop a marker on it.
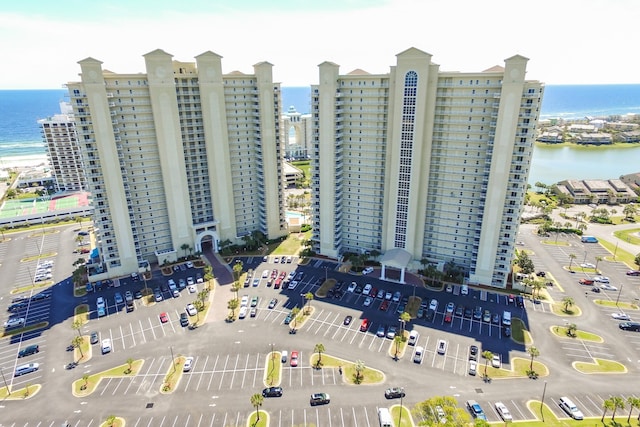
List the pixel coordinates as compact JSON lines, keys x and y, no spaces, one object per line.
{"x":24,"y":162}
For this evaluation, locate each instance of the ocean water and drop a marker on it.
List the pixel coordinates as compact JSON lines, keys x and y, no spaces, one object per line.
{"x":21,"y":109}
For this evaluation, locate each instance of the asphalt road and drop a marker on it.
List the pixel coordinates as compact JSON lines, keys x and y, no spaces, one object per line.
{"x":230,"y":357}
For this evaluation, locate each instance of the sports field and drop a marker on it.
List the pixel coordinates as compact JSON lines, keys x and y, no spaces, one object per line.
{"x":18,"y":207}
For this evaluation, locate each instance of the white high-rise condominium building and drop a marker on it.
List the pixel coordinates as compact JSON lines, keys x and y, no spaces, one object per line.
{"x":178,"y":156}
{"x":63,"y":150}
{"x":423,"y":164}
{"x":296,"y":134}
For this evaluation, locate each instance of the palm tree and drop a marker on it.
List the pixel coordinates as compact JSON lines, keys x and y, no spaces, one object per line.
{"x":235,"y":287}
{"x":237,"y":270}
{"x":319,"y":348}
{"x":598,"y":259}
{"x":308,"y":296}
{"x":184,"y":247}
{"x":567,"y":302}
{"x":85,"y":378}
{"x":618,"y":403}
{"x":634,"y":402}
{"x":487,"y":356}
{"x":130,"y":363}
{"x":537,"y":285}
{"x":111,"y":419}
{"x":533,"y":352}
{"x":571,"y":258}
{"x":607,"y":404}
{"x":397,"y":341}
{"x":76,"y":326}
{"x":233,"y":305}
{"x":359,"y":367}
{"x":404,"y":318}
{"x":294,"y":314}
{"x":256,"y":402}
{"x":572,"y":329}
{"x":80,"y":239}
{"x":77,"y":342}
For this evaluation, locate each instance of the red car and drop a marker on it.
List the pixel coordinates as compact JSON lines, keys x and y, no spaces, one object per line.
{"x":447,"y":318}
{"x":585,"y":281}
{"x":274,"y":273}
{"x":164,"y":318}
{"x":385,"y":305}
{"x":294,"y":358}
{"x":364,"y":325}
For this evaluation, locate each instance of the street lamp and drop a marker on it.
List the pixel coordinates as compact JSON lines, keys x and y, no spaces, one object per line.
{"x":401,"y":407}
{"x":172,"y":361}
{"x":619,"y":292}
{"x":544,"y":390}
{"x":5,"y":381}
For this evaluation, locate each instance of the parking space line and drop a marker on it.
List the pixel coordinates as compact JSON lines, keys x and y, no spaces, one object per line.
{"x":244,"y":371}
{"x":133,"y":337}
{"x":115,"y":389}
{"x":105,"y":387}
{"x":233,"y":373}
{"x":152,"y":330}
{"x":224,"y":369}
{"x":122,"y":338}
{"x":145,"y":375}
{"x":213,"y":372}
{"x":353,"y":410}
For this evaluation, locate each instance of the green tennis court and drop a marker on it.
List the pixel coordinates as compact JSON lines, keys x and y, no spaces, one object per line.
{"x":18,"y":207}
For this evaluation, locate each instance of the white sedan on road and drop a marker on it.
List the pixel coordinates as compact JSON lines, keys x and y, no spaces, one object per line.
{"x":601,"y":279}
{"x":608,"y":287}
{"x":620,"y":316}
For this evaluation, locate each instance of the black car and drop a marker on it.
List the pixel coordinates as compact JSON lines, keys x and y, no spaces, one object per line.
{"x":394,"y":393}
{"x":347,"y":320}
{"x":630,"y":326}
{"x":319,"y":399}
{"x":468,"y":312}
{"x":272,"y":392}
{"x":184,"y":319}
{"x":32,"y":349}
{"x":473,"y":352}
{"x":507,"y":331}
{"x":541,"y":274}
{"x":358,"y":289}
{"x":595,"y":289}
{"x":14,"y":308}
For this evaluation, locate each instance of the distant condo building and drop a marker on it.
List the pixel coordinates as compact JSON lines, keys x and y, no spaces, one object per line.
{"x":63,"y":150}
{"x":422,"y":164}
{"x":296,"y":134}
{"x":178,"y":158}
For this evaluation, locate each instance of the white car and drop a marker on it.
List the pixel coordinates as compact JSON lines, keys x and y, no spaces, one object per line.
{"x":495,"y":362}
{"x":265,"y":274}
{"x":244,"y":301}
{"x":188,"y":364}
{"x":367,"y":270}
{"x":473,"y":367}
{"x":106,"y":346}
{"x":292,"y":284}
{"x":243,"y":312}
{"x":191,"y":310}
{"x":352,"y":287}
{"x":14,"y":322}
{"x":368,"y":301}
{"x":418,"y":354}
{"x":450,"y":307}
{"x":449,"y":288}
{"x":433,"y":305}
{"x":189,"y":264}
{"x":620,"y":316}
{"x":190,"y":281}
{"x":587,"y":265}
{"x":367,"y":289}
{"x":601,"y":279}
{"x":193,"y":289}
{"x":608,"y":287}
{"x":503,"y":412}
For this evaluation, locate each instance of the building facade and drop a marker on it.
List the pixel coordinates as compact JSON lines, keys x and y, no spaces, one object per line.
{"x":423,"y":164}
{"x":63,"y":150}
{"x":296,"y":134}
{"x":177,"y":157}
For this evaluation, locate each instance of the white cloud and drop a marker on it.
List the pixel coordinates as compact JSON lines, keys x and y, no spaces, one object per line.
{"x":569,"y":41}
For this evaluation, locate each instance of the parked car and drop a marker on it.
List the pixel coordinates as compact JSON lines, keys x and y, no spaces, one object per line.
{"x":633,"y":273}
{"x":29,"y":350}
{"x":570,"y":408}
{"x":473,"y":352}
{"x":382,"y":329}
{"x":504,"y":413}
{"x":106,"y":346}
{"x":476,"y":410}
{"x":94,"y":337}
{"x":608,"y":287}
{"x":273,"y":303}
{"x":495,"y":361}
{"x":367,"y":270}
{"x":14,"y":322}
{"x":473,"y":367}
{"x":243,"y":312}
{"x":620,"y":316}
{"x":394,"y":393}
{"x":418,"y":354}
{"x":364,"y":325}
{"x":288,"y":319}
{"x":272,"y":392}
{"x":188,"y":364}
{"x":347,"y":320}
{"x":601,"y":279}
{"x":294,"y":359}
{"x":184,"y":319}
{"x":191,"y":310}
{"x":164,"y":318}
{"x":630,"y":326}
{"x":319,"y":399}
{"x":442,"y":347}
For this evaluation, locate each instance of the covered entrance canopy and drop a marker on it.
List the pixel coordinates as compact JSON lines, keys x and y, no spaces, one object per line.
{"x":395,"y":258}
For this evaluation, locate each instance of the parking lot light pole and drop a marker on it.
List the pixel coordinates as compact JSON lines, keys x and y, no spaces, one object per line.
{"x":172,"y":360}
{"x":5,"y":381}
{"x":544,"y":390}
{"x":401,"y":407}
{"x":619,"y":292}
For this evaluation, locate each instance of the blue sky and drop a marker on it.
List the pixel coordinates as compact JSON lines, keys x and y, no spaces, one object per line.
{"x":567,"y":41}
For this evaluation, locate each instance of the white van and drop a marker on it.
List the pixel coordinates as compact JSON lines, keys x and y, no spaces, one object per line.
{"x":384,"y":417}
{"x":570,"y":408}
{"x":284,"y":354}
{"x":25,"y":369}
{"x":413,"y":337}
{"x":417,"y":356}
{"x":506,"y":318}
{"x":464,"y":290}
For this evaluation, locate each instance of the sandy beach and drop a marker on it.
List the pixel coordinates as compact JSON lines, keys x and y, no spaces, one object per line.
{"x":24,"y":162}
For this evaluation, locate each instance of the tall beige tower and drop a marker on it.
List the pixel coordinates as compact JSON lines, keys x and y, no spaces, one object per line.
{"x":420,"y":164}
{"x":180,"y":159}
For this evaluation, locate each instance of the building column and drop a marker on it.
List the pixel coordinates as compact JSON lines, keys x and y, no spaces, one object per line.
{"x":382,"y":273}
{"x":402,"y":275}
